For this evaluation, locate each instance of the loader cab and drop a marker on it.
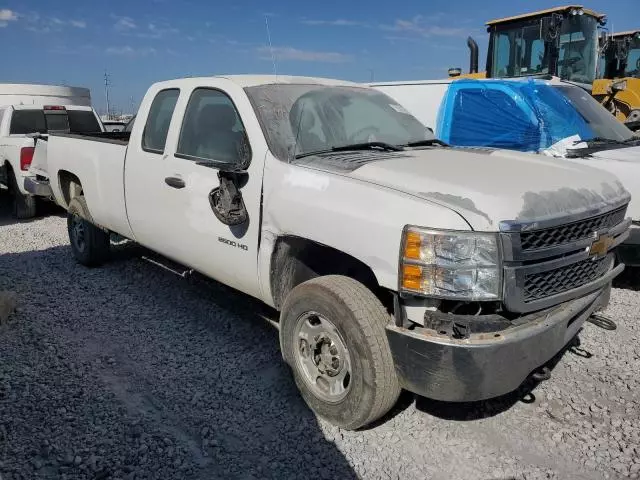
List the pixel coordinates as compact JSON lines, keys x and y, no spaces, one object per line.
{"x":563,"y":42}
{"x":622,"y":55}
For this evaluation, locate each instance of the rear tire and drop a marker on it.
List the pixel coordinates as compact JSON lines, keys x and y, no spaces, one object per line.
{"x":90,"y":245}
{"x":344,"y":324}
{"x":22,"y":206}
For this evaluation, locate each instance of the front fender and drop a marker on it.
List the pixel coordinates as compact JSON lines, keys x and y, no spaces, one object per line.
{"x":353,"y":216}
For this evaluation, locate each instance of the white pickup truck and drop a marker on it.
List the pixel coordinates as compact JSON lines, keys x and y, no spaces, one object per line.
{"x":395,"y":262}
{"x":19,"y":127}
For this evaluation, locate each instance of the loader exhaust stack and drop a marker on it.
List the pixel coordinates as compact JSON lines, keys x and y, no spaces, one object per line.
{"x":473,"y":55}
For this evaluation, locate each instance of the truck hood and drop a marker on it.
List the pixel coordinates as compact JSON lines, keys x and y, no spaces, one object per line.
{"x":629,"y":154}
{"x":624,"y":163}
{"x":487,"y":187}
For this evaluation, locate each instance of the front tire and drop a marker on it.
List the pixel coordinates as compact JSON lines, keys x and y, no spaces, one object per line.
{"x":22,"y":206}
{"x":332,"y":335}
{"x":90,"y":245}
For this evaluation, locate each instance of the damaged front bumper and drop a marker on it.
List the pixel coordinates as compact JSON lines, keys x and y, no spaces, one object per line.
{"x":462,"y":361}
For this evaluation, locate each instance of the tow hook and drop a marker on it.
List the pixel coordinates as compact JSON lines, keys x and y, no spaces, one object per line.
{"x":541,"y":375}
{"x":602,"y":321}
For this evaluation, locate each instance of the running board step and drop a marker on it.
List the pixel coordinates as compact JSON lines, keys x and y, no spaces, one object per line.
{"x":170,"y":266}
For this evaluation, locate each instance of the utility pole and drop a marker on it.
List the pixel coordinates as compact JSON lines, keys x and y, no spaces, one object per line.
{"x":107,"y":83}
{"x":371,"y":76}
{"x":132,"y":105}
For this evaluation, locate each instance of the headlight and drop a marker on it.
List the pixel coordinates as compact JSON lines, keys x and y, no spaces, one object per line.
{"x":449,"y":264}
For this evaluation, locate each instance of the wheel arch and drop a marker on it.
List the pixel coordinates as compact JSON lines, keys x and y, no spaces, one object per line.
{"x":295,"y":260}
{"x":70,"y":186}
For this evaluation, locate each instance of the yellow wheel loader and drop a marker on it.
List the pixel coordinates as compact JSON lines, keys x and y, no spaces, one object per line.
{"x":619,"y":89}
{"x":565,"y":42}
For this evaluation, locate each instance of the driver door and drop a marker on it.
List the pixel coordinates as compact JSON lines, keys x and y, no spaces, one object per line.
{"x":207,"y":130}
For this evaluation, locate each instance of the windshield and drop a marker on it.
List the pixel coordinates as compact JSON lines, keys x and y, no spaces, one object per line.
{"x":299,"y":119}
{"x":601,"y":122}
{"x":578,"y":49}
{"x":522,"y":50}
{"x":633,"y":59}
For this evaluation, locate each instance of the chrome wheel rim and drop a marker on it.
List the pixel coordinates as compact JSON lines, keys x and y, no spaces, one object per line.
{"x":322,"y":357}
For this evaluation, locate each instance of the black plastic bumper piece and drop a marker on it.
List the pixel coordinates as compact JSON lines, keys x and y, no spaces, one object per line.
{"x":629,"y":252}
{"x":39,"y":188}
{"x":486,"y":365}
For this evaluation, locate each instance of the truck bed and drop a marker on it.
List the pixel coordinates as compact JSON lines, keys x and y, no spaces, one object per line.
{"x":97,"y":162}
{"x":121,"y":138}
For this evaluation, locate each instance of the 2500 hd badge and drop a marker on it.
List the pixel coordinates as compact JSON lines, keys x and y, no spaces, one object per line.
{"x":232,"y":243}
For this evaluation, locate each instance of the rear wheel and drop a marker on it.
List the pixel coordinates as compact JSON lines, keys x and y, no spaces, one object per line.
{"x":22,"y":206}
{"x":332,"y":334}
{"x":89,"y":244}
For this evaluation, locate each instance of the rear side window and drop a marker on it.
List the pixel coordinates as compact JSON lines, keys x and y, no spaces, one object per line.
{"x":159,"y":119}
{"x":83,"y":121}
{"x":129,"y":126}
{"x":27,"y":121}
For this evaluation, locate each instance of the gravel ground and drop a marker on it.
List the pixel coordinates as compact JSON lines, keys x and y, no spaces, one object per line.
{"x":129,"y":372}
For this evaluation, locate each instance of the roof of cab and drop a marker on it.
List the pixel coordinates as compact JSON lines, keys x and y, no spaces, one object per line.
{"x":256,"y":80}
{"x":565,"y":8}
{"x":628,"y":33}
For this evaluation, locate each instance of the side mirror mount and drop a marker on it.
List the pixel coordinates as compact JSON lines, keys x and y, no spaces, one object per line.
{"x":226,"y":200}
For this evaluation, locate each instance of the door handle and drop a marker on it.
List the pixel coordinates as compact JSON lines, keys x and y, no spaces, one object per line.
{"x":174,"y":182}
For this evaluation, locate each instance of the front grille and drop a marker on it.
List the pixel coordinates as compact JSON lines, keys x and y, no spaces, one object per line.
{"x":563,"y":279}
{"x":551,"y":237}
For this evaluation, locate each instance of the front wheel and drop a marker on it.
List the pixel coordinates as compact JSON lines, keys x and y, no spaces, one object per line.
{"x":332,"y":334}
{"x":90,"y":245}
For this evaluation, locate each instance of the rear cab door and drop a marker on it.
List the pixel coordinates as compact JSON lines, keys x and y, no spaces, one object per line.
{"x":194,"y":127}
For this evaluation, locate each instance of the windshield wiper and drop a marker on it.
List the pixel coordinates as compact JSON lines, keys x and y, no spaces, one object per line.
{"x":606,"y":141}
{"x":354,"y":146}
{"x":599,"y":144}
{"x":426,"y":143}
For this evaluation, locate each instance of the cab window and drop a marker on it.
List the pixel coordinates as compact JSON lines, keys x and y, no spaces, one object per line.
{"x":156,"y":129}
{"x":212,"y":129}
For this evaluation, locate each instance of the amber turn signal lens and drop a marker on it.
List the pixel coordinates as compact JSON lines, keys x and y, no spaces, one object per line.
{"x":412,"y":277}
{"x":413,"y":242}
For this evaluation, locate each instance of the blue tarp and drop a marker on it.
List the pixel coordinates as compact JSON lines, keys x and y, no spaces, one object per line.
{"x":528,"y":115}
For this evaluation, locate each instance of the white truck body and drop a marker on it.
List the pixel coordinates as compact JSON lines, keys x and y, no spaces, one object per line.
{"x":19,"y":126}
{"x":354,"y":205}
{"x":423,"y":99}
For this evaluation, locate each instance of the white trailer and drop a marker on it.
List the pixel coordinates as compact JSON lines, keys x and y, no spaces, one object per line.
{"x":32,"y":94}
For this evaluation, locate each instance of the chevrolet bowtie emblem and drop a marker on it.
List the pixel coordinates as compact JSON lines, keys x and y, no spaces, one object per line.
{"x":601,"y":246}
